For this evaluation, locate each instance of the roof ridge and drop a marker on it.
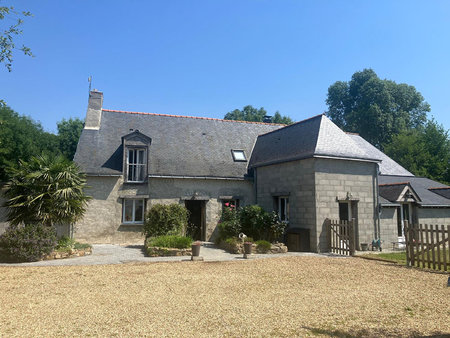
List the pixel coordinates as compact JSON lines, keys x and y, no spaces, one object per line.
{"x":192,"y":117}
{"x":439,"y":188}
{"x":293,"y":124}
{"x":396,"y":183}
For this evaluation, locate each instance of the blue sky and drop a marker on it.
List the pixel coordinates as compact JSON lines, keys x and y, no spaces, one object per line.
{"x":206,"y":58}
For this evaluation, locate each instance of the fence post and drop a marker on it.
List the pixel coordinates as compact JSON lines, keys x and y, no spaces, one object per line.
{"x":352,"y":236}
{"x":406,"y":231}
{"x":328,"y":227}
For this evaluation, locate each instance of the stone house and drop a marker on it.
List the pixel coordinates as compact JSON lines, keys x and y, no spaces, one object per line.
{"x":308,"y":171}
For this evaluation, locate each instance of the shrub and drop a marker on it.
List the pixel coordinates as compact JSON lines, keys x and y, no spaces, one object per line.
{"x":65,"y":242}
{"x":170,"y":241}
{"x":229,"y":225}
{"x":263,"y":246}
{"x":169,"y":219}
{"x":28,"y":243}
{"x":260,"y":224}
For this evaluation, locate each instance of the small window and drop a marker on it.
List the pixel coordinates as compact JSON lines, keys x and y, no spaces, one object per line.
{"x":136,"y":165}
{"x":239,"y":156}
{"x":282,"y":208}
{"x":234,"y":204}
{"x":344,"y":211}
{"x":133,"y":211}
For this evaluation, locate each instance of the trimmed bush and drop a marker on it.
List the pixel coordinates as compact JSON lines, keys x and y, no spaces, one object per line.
{"x":28,"y":243}
{"x":260,"y":224}
{"x":166,"y":219}
{"x":178,"y":242}
{"x":263,"y":246}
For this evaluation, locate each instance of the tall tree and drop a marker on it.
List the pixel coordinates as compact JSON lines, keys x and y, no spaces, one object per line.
{"x":376,"y":109}
{"x":249,"y":113}
{"x":69,"y":132}
{"x":423,"y":151}
{"x":7,"y":44}
{"x":21,"y":138}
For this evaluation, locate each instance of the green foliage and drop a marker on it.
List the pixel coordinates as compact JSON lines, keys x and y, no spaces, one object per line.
{"x":423,"y":151}
{"x":263,"y":246}
{"x":7,"y":45}
{"x":260,"y":224}
{"x":21,"y":138}
{"x":28,"y":243}
{"x":376,"y":109}
{"x":165,"y":219}
{"x":229,"y":225}
{"x":69,"y":132}
{"x":249,"y":113}
{"x":173,"y":241}
{"x":46,"y":191}
{"x":65,"y":242}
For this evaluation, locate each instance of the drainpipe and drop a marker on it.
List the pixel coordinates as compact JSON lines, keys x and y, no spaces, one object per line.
{"x":255,"y":182}
{"x":378,"y":227}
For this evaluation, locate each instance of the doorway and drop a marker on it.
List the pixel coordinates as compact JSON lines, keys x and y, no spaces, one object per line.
{"x":196,"y":223}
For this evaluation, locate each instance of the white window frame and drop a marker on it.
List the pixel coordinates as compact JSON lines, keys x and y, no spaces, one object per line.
{"x":235,"y":153}
{"x":133,"y":218}
{"x":142,"y":166}
{"x":286,"y":208}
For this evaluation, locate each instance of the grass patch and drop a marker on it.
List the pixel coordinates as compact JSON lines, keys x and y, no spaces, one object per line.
{"x":400,"y":258}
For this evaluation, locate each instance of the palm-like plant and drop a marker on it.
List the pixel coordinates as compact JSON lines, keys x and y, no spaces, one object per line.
{"x":46,"y":190}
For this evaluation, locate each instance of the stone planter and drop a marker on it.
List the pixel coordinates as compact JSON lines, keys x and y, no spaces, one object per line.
{"x":196,"y":249}
{"x":248,"y":248}
{"x":364,"y":246}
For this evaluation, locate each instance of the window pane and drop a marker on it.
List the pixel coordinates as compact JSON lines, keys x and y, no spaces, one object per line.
{"x":128,"y":211}
{"x":343,"y":211}
{"x":282,"y":209}
{"x":139,"y":211}
{"x":141,"y":157}
{"x":131,"y":156}
{"x":239,"y":155}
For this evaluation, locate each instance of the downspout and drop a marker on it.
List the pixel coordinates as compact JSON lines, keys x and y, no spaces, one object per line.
{"x":255,"y":182}
{"x":378,"y":227}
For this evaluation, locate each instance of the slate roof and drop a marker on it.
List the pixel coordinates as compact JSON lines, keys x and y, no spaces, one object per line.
{"x":421,"y":186}
{"x":391,"y":192}
{"x":445,"y":192}
{"x":314,"y":137}
{"x":387,"y":166}
{"x":181,"y":146}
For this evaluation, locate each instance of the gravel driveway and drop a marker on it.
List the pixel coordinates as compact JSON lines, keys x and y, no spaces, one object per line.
{"x":279,"y":297}
{"x":116,"y":254}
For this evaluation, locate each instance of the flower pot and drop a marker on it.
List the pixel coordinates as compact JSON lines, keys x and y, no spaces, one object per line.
{"x":364,"y":246}
{"x":248,"y":248}
{"x":196,"y":249}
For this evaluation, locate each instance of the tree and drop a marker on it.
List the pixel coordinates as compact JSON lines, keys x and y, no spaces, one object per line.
{"x":423,"y":151}
{"x":69,"y":132}
{"x":7,"y":45}
{"x":376,"y":109}
{"x":21,"y":138}
{"x":46,"y":191}
{"x":249,"y":113}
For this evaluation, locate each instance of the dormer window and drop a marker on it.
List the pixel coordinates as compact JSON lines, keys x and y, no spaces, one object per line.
{"x":136,"y":164}
{"x":239,"y":156}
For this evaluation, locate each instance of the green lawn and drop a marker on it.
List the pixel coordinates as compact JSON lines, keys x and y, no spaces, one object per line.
{"x":400,"y":257}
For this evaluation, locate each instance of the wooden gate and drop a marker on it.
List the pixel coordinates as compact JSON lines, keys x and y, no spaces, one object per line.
{"x":427,"y":245}
{"x":341,"y":237}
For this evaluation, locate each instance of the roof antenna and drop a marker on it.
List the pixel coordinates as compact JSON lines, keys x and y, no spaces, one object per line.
{"x":90,"y":82}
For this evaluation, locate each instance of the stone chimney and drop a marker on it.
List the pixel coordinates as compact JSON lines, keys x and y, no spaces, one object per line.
{"x":94,"y":111}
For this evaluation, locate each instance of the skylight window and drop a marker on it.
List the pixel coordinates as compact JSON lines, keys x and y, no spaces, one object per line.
{"x":239,"y":156}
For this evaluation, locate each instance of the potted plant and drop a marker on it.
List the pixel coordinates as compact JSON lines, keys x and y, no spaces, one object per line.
{"x":195,"y":246}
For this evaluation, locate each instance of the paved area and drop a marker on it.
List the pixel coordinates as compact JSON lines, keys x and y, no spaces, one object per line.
{"x":117,"y":254}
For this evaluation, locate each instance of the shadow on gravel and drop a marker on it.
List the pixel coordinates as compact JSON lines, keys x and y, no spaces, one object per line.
{"x":136,"y":246}
{"x":379,"y":332}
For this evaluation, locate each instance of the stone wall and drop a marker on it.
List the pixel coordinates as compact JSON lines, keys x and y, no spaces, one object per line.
{"x":388,"y":226}
{"x":293,"y":179}
{"x":102,"y":222}
{"x":434,"y":216}
{"x":340,"y":180}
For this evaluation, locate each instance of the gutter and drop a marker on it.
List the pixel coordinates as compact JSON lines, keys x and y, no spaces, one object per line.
{"x":200,"y":177}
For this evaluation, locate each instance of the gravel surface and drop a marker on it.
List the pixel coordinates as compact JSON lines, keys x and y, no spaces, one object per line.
{"x":287,"y":296}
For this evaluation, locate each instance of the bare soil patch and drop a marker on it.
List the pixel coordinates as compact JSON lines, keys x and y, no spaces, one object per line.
{"x":289,"y":296}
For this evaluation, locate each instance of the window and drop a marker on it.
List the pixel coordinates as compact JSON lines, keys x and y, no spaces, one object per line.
{"x":136,"y":165}
{"x":230,"y":203}
{"x":133,"y":211}
{"x":239,"y":156}
{"x":282,"y":208}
